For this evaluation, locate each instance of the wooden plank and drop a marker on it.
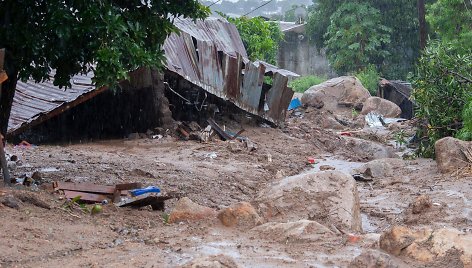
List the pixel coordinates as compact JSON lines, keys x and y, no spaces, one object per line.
{"x":129,"y":186}
{"x":85,"y":187}
{"x":3,"y":76}
{"x":88,"y":197}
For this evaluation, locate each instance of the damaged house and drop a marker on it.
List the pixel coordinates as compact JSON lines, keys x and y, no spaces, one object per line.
{"x":206,"y":68}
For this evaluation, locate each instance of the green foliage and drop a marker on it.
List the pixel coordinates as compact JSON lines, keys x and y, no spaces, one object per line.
{"x":369,"y":78}
{"x":303,"y":83}
{"x":451,"y":21}
{"x":400,"y":16}
{"x":356,"y":37}
{"x":466,"y":132}
{"x":442,"y":88}
{"x":261,"y":39}
{"x":107,"y":37}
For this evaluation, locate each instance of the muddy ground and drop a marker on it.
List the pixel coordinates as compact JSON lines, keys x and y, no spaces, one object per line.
{"x":124,"y":237}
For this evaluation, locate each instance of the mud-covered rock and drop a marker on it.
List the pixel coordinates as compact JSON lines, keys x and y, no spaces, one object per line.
{"x":369,"y":150}
{"x":215,"y":261}
{"x":187,"y":210}
{"x":296,"y":231}
{"x":329,"y":197}
{"x":376,"y":259}
{"x":241,"y":214}
{"x":441,"y":246}
{"x":381,"y":168}
{"x":10,"y":201}
{"x":421,"y":204}
{"x":381,"y":106}
{"x":344,"y":89}
{"x":450,"y":154}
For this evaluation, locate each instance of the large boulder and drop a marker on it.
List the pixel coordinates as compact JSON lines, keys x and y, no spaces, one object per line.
{"x":187,"y":210}
{"x":441,"y":246}
{"x":297,"y":231}
{"x":381,"y":106}
{"x":241,"y":214}
{"x":344,"y":89}
{"x":329,"y":197}
{"x":451,"y":154}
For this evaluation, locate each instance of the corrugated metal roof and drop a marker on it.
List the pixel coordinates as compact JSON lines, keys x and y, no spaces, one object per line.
{"x":208,"y":53}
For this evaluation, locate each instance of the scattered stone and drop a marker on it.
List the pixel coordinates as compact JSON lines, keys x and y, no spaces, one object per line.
{"x":187,"y":210}
{"x":11,"y":202}
{"x":450,"y":154}
{"x":421,"y":204}
{"x":444,"y":246}
{"x":329,"y":197}
{"x":376,"y":259}
{"x":295,"y":231}
{"x":344,"y":89}
{"x":240,"y":214}
{"x":326,"y":167}
{"x":216,"y":261}
{"x":32,"y":198}
{"x":381,"y":106}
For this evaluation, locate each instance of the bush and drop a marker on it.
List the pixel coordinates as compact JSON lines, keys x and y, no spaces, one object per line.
{"x":369,"y":78}
{"x":442,"y":88}
{"x":305,"y":82}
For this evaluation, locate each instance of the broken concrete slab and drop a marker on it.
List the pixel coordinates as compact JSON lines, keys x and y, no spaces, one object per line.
{"x":330,"y":197}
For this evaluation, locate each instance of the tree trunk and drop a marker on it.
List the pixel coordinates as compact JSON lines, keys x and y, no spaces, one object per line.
{"x":422,"y":23}
{"x":6,"y":100}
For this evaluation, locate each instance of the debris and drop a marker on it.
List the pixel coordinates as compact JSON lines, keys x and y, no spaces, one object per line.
{"x":155,"y":200}
{"x":294,"y":104}
{"x":32,"y":198}
{"x":264,"y":125}
{"x":96,"y":209}
{"x":374,"y":119}
{"x":215,"y":261}
{"x":311,"y":160}
{"x":83,"y":196}
{"x":359,"y":177}
{"x":222,"y":133}
{"x":376,"y":259}
{"x":251,"y":146}
{"x":295,"y":231}
{"x":211,"y":155}
{"x":149,"y":189}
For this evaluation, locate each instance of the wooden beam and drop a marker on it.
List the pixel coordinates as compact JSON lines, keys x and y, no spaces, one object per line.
{"x":85,"y":187}
{"x":88,"y":197}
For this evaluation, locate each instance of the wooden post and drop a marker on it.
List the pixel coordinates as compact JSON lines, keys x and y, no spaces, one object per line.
{"x":3,"y":160}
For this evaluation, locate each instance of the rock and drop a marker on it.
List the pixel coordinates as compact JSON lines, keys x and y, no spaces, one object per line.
{"x":134,"y":136}
{"x":11,"y":202}
{"x":216,"y":261}
{"x":421,"y":204}
{"x":330,"y":122}
{"x":381,"y":168}
{"x":446,"y":246}
{"x":296,"y":231}
{"x":326,"y":167}
{"x":369,"y":150}
{"x":240,"y":214}
{"x":344,"y":89}
{"x":381,"y":106}
{"x":187,"y":210}
{"x":450,"y":154}
{"x":329,"y":197}
{"x":376,"y":259}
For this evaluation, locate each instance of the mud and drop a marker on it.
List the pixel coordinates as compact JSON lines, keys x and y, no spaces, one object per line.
{"x":32,"y":236}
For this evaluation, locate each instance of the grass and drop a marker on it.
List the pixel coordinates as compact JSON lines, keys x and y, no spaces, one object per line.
{"x":305,"y":82}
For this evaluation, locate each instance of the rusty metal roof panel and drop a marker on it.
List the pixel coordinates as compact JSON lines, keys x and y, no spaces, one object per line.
{"x":35,"y":99}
